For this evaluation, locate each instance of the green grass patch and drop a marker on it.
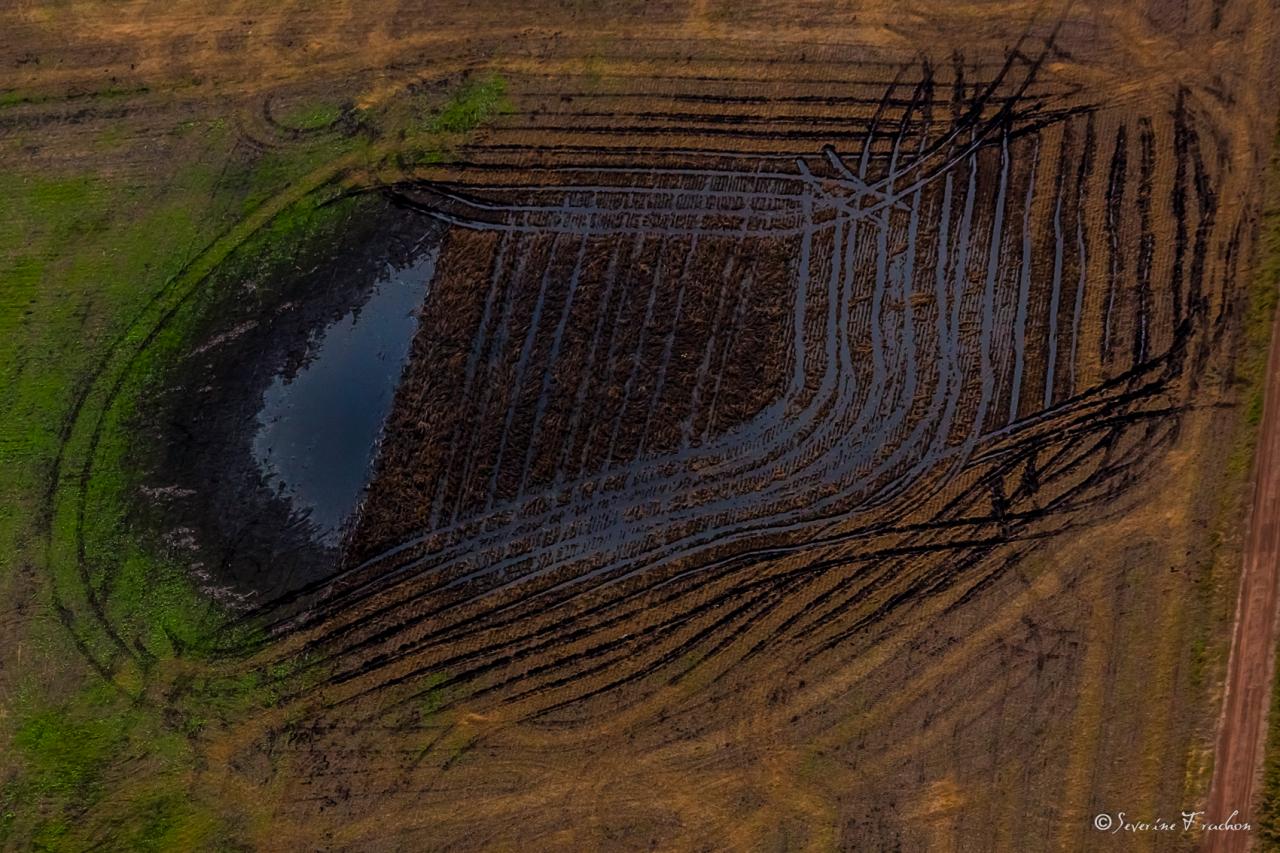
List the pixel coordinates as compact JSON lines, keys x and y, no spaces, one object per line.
{"x":1263,"y":295}
{"x":80,"y":256}
{"x":18,"y":97}
{"x":88,"y":261}
{"x":433,"y":698}
{"x":13,"y":97}
{"x":65,"y":749}
{"x":310,"y":116}
{"x":473,"y":104}
{"x":97,"y":745}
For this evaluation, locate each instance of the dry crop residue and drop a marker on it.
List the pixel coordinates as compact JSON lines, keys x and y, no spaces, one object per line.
{"x":802,"y":427}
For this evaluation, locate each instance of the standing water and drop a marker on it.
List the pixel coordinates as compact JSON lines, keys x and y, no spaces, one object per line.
{"x":319,"y":429}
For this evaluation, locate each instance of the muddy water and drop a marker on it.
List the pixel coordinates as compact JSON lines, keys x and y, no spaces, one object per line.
{"x":319,"y":428}
{"x":253,"y":446}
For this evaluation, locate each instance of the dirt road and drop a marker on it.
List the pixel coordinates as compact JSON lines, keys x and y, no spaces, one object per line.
{"x":1243,"y":727}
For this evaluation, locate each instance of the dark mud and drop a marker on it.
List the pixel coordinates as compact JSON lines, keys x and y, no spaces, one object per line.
{"x":319,"y":426}
{"x":255,"y":446}
{"x":658,"y":409}
{"x":698,"y":402}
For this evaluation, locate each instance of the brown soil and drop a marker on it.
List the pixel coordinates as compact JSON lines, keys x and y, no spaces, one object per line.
{"x":710,"y":519}
{"x":1242,"y":732}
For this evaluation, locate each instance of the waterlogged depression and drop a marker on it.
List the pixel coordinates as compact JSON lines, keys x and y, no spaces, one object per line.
{"x":865,"y":394}
{"x":318,"y":428}
{"x":257,"y":443}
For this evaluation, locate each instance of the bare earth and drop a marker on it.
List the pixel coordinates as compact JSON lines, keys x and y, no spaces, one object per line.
{"x":1243,"y":732}
{"x":836,"y":642}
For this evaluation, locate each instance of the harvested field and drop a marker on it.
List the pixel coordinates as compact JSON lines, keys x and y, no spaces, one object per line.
{"x":817,"y":428}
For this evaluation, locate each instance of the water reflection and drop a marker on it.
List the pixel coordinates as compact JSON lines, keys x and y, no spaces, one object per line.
{"x":319,"y":428}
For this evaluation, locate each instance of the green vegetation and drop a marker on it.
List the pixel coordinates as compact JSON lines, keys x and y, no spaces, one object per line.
{"x":473,"y":104}
{"x":433,"y":697}
{"x":1268,"y":829}
{"x":67,"y":750}
{"x":15,"y":97}
{"x":74,"y":273}
{"x":1264,"y":293}
{"x":109,"y":694}
{"x":311,"y":116}
{"x":1258,"y":319}
{"x":1217,"y":575}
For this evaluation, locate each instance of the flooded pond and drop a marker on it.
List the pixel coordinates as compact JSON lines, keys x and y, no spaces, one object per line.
{"x":255,"y":444}
{"x":319,"y":427}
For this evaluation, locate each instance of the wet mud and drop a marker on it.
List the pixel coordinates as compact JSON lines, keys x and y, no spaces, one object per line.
{"x":257,"y":444}
{"x":677,"y":377}
{"x":811,"y":450}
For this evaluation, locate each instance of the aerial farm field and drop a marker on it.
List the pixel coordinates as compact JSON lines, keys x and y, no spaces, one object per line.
{"x":593,"y":425}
